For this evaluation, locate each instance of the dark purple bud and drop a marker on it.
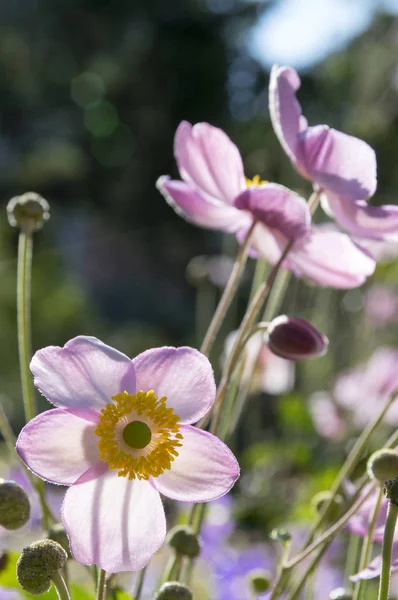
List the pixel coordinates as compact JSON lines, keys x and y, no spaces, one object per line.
{"x":295,"y":338}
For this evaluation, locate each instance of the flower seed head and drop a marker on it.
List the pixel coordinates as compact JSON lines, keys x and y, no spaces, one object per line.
{"x":28,"y":212}
{"x":184,"y":541}
{"x":391,"y":490}
{"x":37,"y":565}
{"x":260,"y":581}
{"x":294,"y":338}
{"x":280,"y":535}
{"x":334,"y":511}
{"x":14,"y":505}
{"x":340,"y":594}
{"x":383,"y":465}
{"x":173,"y":590}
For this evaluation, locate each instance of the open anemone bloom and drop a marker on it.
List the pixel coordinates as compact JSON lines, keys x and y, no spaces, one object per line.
{"x":119,"y":437}
{"x":342,"y":166}
{"x":214,"y":194}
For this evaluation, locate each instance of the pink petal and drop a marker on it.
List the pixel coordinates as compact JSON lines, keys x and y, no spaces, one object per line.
{"x":112,"y":522}
{"x":374,"y":567}
{"x":267,"y":243}
{"x":331,"y":259}
{"x":200,"y":210}
{"x":209,"y":160}
{"x":204,"y":470}
{"x":278,"y":208}
{"x":58,"y":446}
{"x":373,"y":222}
{"x":285,"y":110}
{"x":183,"y":375}
{"x":338,"y":162}
{"x":85,"y":373}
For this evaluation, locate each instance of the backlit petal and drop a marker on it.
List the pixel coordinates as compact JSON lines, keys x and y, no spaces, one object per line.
{"x":204,"y":470}
{"x":183,"y":375}
{"x":112,"y":522}
{"x":85,"y":373}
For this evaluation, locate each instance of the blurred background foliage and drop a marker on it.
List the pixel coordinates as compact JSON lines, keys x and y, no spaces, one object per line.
{"x":91,"y":93}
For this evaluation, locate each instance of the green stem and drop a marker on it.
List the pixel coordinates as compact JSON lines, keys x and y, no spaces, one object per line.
{"x":276,"y":295}
{"x":101,"y":586}
{"x":25,"y":245}
{"x":367,"y":546}
{"x":140,"y":583}
{"x":228,"y":295}
{"x":310,"y":569}
{"x":351,"y":557}
{"x":389,"y":530}
{"x":260,"y":273}
{"x":282,"y":573}
{"x":349,"y":465}
{"x":60,"y":586}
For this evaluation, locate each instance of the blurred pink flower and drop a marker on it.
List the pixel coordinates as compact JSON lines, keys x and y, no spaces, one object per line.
{"x":117,"y":445}
{"x":381,"y":305}
{"x":214,"y":194}
{"x":364,"y":389}
{"x":326,"y":417}
{"x":342,"y":166}
{"x":271,"y":374}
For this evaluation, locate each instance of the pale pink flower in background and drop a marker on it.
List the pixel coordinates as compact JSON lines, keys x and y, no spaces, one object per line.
{"x":214,"y":194}
{"x":121,"y":435}
{"x":342,"y":166}
{"x":381,"y":305}
{"x":364,"y":389}
{"x":269,"y":373}
{"x":326,"y":417}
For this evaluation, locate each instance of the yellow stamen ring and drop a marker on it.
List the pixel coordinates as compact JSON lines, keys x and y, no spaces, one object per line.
{"x":138,"y":435}
{"x":256,"y":181}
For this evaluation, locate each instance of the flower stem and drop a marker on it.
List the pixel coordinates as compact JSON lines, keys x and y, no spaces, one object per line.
{"x":60,"y":586}
{"x":349,"y":465}
{"x":101,"y":586}
{"x":384,"y":587}
{"x":25,"y":245}
{"x":228,"y":294}
{"x":367,"y":546}
{"x":310,"y":569}
{"x":140,"y":583}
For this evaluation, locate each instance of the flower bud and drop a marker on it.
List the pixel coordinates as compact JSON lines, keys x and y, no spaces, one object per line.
{"x":383,"y":465}
{"x":172,"y":590}
{"x":391,"y":490}
{"x":295,"y":338}
{"x":340,"y":594}
{"x":28,"y":212}
{"x":184,"y":541}
{"x":14,"y":505}
{"x":58,"y":534}
{"x":260,"y":581}
{"x":336,"y":508}
{"x":38,"y":563}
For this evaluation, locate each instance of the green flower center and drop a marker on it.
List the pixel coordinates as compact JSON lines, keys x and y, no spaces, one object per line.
{"x":137,"y":434}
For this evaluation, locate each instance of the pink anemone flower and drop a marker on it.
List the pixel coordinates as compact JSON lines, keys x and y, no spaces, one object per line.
{"x":342,"y":166}
{"x":214,"y":194}
{"x":119,"y":437}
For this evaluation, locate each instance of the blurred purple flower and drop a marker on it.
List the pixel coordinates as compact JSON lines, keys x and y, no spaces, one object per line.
{"x":374,"y":567}
{"x":381,"y":305}
{"x":342,"y":166}
{"x":271,"y":374}
{"x":364,"y":389}
{"x":359,"y":523}
{"x":214,"y":194}
{"x":10,"y":594}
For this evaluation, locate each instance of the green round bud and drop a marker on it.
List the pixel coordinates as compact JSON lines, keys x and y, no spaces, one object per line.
{"x":340,"y":594}
{"x":184,"y":541}
{"x":335,"y":509}
{"x":383,"y":465}
{"x":260,"y":581}
{"x":28,"y":212}
{"x":391,"y":490}
{"x":58,"y":534}
{"x":38,"y":563}
{"x":173,"y":590}
{"x":14,"y":505}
